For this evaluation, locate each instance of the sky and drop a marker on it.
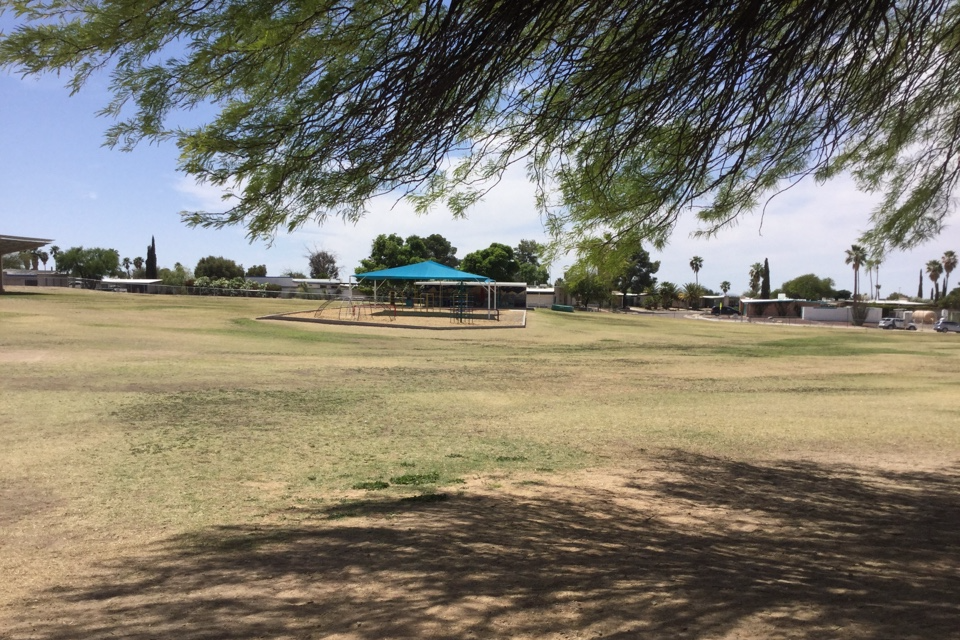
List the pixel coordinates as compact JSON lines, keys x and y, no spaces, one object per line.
{"x":58,"y":181}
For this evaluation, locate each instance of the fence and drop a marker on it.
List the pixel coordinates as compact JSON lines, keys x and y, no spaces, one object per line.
{"x":181,"y":290}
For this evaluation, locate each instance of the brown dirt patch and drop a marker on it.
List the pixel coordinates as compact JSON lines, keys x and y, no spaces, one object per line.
{"x":406,"y":319}
{"x":681,"y":546}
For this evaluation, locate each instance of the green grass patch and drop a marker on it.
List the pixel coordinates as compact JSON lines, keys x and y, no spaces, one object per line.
{"x":417,"y":479}
{"x":372,"y":485}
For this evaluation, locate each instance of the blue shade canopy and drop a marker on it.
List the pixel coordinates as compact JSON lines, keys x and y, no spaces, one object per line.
{"x":428,"y":270}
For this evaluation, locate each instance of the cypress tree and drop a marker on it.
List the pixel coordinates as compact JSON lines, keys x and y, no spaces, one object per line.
{"x":920,"y":287}
{"x":765,"y":282}
{"x":151,"y":266}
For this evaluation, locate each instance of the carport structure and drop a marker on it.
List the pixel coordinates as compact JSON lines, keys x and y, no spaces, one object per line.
{"x":427,"y":271}
{"x":16,"y":244}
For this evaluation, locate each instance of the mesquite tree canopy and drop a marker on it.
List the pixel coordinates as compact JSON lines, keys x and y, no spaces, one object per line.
{"x":627,"y":113}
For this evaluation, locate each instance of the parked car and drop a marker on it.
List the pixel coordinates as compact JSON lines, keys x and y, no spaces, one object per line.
{"x":726,"y":311}
{"x":943,"y":326}
{"x":896,"y":323}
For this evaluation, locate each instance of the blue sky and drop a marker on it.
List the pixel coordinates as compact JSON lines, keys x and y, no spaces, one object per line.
{"x":58,"y":181}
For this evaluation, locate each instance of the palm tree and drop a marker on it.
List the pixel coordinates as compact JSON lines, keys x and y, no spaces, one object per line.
{"x":651,"y":297}
{"x":949,"y":262}
{"x":696,"y":263}
{"x":869,"y":264}
{"x":668,"y":293}
{"x":872,"y":265}
{"x":55,"y":251}
{"x":44,"y":256}
{"x":877,"y":261}
{"x":692,"y":293}
{"x":756,"y":272}
{"x":725,"y":286}
{"x":126,"y":265}
{"x":138,"y":263}
{"x":934,"y":271}
{"x":856,"y":256}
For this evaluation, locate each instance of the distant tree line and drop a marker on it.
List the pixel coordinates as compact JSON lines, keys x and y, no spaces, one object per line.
{"x":498,"y":261}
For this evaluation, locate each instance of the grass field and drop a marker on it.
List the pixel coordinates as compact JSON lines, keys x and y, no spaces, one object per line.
{"x":172,"y":467}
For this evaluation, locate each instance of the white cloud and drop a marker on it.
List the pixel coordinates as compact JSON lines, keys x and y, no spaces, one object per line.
{"x":805,"y":229}
{"x":201,"y":196}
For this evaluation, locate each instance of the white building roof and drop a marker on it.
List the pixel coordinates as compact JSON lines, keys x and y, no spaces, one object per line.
{"x":132,"y":280}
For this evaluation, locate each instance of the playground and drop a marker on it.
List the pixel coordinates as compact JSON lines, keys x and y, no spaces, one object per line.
{"x":367,"y":313}
{"x":426,"y":295}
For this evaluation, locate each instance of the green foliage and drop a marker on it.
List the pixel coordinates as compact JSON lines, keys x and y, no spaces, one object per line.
{"x":637,"y":275}
{"x":372,"y":485}
{"x":949,"y":262}
{"x":934,"y":270}
{"x":323,"y":264}
{"x":432,"y":477}
{"x":586,"y":283}
{"x":856,"y":255}
{"x":257,"y":271}
{"x":528,"y":251}
{"x":91,"y":264}
{"x":390,"y":251}
{"x":858,"y":313}
{"x":692,"y":294}
{"x":527,"y":254}
{"x":532,"y":274}
{"x":496,"y":261}
{"x":151,"y":264}
{"x":178,"y":276}
{"x":637,"y":112}
{"x":809,"y":287}
{"x":215,"y":267}
{"x":12,"y":261}
{"x":440,"y":250}
{"x":696,"y":263}
{"x":668,"y":293}
{"x":652,"y":298}
{"x":604,"y":263}
{"x":765,"y":280}
{"x":951,"y":300}
{"x":755,"y":275}
{"x":205,"y":285}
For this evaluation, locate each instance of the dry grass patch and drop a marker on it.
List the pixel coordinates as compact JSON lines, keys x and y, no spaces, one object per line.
{"x":172,"y":463}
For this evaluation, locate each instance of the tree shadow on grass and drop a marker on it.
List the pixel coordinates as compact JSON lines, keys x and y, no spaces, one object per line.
{"x":700,"y":548}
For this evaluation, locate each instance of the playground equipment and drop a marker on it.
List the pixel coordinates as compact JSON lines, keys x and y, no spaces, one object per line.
{"x":460,"y":305}
{"x":356,"y":309}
